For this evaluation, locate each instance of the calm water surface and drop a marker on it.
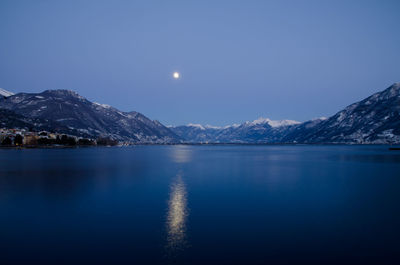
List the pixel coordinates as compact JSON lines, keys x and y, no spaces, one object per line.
{"x":200,"y":205}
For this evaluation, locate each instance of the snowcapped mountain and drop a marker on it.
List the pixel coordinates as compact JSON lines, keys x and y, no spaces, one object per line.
{"x":197,"y":126}
{"x":73,"y":111}
{"x":196,"y":133}
{"x":5,"y":93}
{"x":273,"y":123}
{"x":375,"y":119}
{"x":260,"y":130}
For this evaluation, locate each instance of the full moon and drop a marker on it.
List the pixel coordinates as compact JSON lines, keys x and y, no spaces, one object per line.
{"x":176,"y":75}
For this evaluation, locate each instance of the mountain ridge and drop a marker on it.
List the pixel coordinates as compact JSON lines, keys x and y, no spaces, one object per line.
{"x":373,"y":120}
{"x":69,"y":109}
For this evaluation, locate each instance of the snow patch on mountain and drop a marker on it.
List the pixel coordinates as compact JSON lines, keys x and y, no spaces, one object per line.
{"x":102,"y":105}
{"x":235,"y":125}
{"x":274,"y":123}
{"x":196,"y":125}
{"x":6,"y":93}
{"x":208,"y":126}
{"x":319,"y":119}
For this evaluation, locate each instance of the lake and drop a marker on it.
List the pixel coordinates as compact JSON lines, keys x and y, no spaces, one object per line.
{"x":200,"y":205}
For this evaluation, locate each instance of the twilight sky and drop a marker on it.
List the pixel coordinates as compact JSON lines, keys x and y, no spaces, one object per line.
{"x":238,"y":60}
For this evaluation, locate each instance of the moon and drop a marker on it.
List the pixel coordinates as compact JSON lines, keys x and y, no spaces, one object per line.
{"x":176,"y":75}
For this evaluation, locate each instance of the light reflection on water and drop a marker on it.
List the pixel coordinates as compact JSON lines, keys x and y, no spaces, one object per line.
{"x":176,"y":216}
{"x":200,"y":205}
{"x":181,"y":154}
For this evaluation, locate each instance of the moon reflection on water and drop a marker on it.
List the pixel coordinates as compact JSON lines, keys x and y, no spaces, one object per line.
{"x":176,"y":216}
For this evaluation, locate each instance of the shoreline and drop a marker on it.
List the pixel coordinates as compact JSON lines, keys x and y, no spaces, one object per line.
{"x":390,"y":146}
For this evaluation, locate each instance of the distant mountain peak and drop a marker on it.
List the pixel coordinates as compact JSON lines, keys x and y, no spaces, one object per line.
{"x":208,"y":126}
{"x":274,"y":123}
{"x":196,"y":125}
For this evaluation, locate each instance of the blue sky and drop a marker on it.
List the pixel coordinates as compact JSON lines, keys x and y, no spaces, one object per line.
{"x":238,"y":60}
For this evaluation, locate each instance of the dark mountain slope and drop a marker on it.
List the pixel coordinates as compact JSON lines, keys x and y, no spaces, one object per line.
{"x":375,"y":119}
{"x":77,"y":113}
{"x":10,"y":119}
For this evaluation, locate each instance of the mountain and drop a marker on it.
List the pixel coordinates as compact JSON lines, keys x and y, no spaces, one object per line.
{"x":73,"y":111}
{"x":196,"y":133}
{"x":375,"y":119}
{"x":272,"y":123}
{"x":5,"y":93}
{"x":262,"y":130}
